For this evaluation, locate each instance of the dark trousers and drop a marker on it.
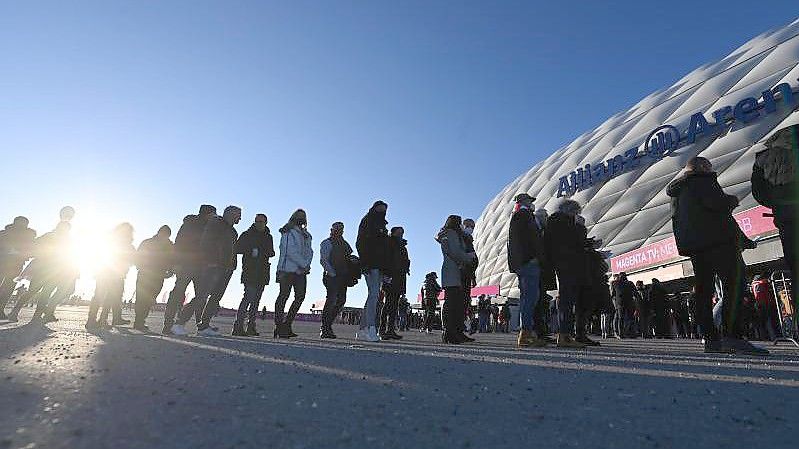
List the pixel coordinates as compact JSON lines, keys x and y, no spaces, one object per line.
{"x":541,"y":313}
{"x":643,"y":322}
{"x":289,"y":281}
{"x":39,"y":290}
{"x":786,"y":221}
{"x":177,"y":296}
{"x":148,"y":286}
{"x":453,"y":310}
{"x":429,"y":317}
{"x":335,"y":299}
{"x":388,"y":313}
{"x":572,"y":306}
{"x":55,"y":292}
{"x":108,"y":296}
{"x":248,"y":308}
{"x":8,"y":272}
{"x":212,"y":286}
{"x":661,"y":319}
{"x":726,"y":262}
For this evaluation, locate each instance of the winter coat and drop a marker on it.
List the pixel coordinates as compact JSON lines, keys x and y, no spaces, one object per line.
{"x":334,"y":256}
{"x":399,"y":265}
{"x":256,"y":248}
{"x":188,"y":251}
{"x":774,"y":172}
{"x":453,"y":249}
{"x":155,"y":256}
{"x":524,"y":240}
{"x":372,"y":242}
{"x":217,"y":242}
{"x":430,"y":292}
{"x":624,"y":294}
{"x":565,"y":248}
{"x":296,"y":252}
{"x":16,"y":246}
{"x":701,"y":214}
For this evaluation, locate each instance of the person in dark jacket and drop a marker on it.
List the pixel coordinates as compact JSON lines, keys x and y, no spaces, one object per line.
{"x":623,"y":302}
{"x":398,"y":271}
{"x":657,"y":295}
{"x":565,"y":243}
{"x":256,"y":248}
{"x":453,"y":250}
{"x":219,"y":261}
{"x":188,"y":262}
{"x":154,"y":260}
{"x":775,"y":186}
{"x":16,"y":247}
{"x":430,"y":291}
{"x":547,"y":283}
{"x":372,"y":245}
{"x":525,"y":256}
{"x":705,"y":231}
{"x":643,"y":307}
{"x":334,"y":252}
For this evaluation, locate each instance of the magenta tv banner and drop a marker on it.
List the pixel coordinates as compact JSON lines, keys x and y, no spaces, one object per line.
{"x":751,"y":221}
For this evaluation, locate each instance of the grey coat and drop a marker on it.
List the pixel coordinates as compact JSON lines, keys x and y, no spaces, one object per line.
{"x":453,"y":249}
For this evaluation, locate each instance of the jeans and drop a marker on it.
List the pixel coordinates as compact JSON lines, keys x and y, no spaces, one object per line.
{"x":185,"y":276}
{"x":335,"y":300}
{"x":724,"y":261}
{"x":211,"y":287}
{"x":373,"y":281}
{"x":529,"y":283}
{"x":483,"y":321}
{"x":248,"y":307}
{"x":148,"y":286}
{"x":288,"y":281}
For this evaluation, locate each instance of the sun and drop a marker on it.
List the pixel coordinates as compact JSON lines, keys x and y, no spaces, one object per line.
{"x":90,"y":247}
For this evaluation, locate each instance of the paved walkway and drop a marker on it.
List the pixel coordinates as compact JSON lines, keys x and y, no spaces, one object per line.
{"x":62,"y":387}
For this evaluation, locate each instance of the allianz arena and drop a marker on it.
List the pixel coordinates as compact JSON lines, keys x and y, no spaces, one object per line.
{"x":619,"y":171}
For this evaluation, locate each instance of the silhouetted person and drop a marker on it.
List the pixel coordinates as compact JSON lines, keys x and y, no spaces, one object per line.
{"x":705,"y":231}
{"x":774,"y":185}
{"x":657,"y":295}
{"x":643,"y":307}
{"x":398,"y":270}
{"x":256,"y":248}
{"x":293,"y":267}
{"x":16,"y":247}
{"x":155,"y":262}
{"x":430,"y":291}
{"x":372,"y":244}
{"x":219,"y":260}
{"x":453,"y":250}
{"x":334,"y":252}
{"x":111,"y":279}
{"x":188,"y":262}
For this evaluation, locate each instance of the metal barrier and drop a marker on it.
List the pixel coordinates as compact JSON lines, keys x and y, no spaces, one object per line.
{"x":781,"y":286}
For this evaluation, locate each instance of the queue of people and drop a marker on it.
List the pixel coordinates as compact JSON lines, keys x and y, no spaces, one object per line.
{"x":562,"y":274}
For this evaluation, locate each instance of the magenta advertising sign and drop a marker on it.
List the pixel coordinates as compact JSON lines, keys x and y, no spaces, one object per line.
{"x":751,"y":221}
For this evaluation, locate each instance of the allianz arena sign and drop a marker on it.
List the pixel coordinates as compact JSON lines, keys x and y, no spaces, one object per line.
{"x":665,"y":139}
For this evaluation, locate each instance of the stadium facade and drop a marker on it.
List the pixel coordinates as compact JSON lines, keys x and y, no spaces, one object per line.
{"x":619,"y":171}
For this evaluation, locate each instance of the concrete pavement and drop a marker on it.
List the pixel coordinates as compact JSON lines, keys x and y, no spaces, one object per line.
{"x":63,"y":387}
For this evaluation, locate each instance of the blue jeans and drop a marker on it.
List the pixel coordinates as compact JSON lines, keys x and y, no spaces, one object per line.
{"x":373,"y":280}
{"x":529,"y":278}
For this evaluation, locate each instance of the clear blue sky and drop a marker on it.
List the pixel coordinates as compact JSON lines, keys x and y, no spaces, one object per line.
{"x":140,"y":111}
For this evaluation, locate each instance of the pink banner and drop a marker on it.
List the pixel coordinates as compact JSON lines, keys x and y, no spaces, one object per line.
{"x":488,"y":290}
{"x":751,"y":221}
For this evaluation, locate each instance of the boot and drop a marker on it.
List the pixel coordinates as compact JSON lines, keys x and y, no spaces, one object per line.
{"x":529,"y":339}
{"x":282,"y":331}
{"x":566,"y":341}
{"x":326,"y":332}
{"x":251,"y":331}
{"x":238,"y":330}
{"x":290,"y":332}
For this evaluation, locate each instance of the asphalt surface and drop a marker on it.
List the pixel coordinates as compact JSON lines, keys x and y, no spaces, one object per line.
{"x":62,"y":387}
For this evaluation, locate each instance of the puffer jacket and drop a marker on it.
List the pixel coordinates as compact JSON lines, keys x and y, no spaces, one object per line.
{"x":217,"y":241}
{"x":372,"y":241}
{"x":188,"y":251}
{"x":774,"y":172}
{"x":453,"y":248}
{"x":296,"y":253}
{"x":256,"y":248}
{"x":701,"y":214}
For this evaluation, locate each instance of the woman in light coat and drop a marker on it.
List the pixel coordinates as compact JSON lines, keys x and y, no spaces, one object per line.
{"x":293,"y":267}
{"x":453,"y":249}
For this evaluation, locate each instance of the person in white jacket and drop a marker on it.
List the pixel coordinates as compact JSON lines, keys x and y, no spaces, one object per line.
{"x":293,"y":267}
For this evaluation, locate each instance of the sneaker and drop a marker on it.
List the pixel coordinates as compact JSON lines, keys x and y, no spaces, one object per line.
{"x":208,"y":332}
{"x":179,"y":330}
{"x":368,"y":334}
{"x":741,"y":346}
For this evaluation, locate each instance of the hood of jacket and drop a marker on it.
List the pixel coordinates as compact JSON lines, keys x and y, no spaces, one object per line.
{"x":675,"y":187}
